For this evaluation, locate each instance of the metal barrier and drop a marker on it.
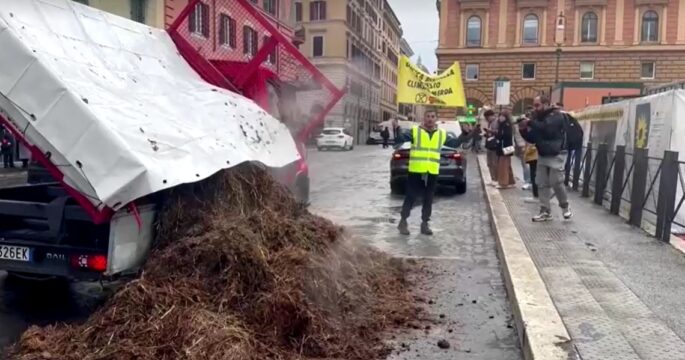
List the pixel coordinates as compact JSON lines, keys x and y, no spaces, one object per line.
{"x":647,"y":188}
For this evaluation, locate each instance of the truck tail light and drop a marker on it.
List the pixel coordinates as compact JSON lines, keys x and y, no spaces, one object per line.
{"x":91,"y":262}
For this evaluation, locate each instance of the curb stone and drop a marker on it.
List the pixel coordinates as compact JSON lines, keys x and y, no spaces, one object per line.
{"x":542,"y":334}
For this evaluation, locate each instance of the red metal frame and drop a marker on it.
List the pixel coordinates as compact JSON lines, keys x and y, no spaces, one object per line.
{"x":99,"y":216}
{"x":214,"y":76}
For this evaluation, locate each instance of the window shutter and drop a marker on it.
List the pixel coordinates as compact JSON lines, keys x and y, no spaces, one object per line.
{"x":205,"y":20}
{"x":255,"y":42}
{"x":223,"y":24}
{"x":322,"y":10}
{"x":191,"y":20}
{"x":231,"y":32}
{"x":246,"y":41}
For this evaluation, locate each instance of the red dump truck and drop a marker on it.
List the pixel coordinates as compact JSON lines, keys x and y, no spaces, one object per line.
{"x":119,"y":113}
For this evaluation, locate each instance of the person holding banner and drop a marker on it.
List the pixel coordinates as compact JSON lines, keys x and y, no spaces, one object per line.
{"x":424,"y":166}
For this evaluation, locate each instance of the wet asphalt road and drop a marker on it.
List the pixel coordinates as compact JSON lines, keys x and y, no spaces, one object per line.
{"x":461,"y":281}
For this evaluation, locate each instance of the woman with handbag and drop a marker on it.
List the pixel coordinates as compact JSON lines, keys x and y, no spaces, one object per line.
{"x":505,"y":150}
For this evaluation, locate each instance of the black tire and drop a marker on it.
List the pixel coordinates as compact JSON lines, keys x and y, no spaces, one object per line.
{"x":397,"y":188}
{"x":460,"y":187}
{"x":351,"y":147}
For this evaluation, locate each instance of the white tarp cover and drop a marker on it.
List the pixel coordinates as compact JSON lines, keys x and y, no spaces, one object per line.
{"x":121,"y":112}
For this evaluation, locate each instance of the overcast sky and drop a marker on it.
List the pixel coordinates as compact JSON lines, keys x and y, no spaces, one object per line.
{"x":420,"y":24}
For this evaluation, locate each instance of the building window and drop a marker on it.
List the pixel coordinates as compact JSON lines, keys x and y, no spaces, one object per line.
{"x":199,"y":20}
{"x":317,"y":10}
{"x":648,"y":70}
{"x":271,"y":6}
{"x":317,"y":46}
{"x":271,"y":59}
{"x":528,"y":72}
{"x":473,"y":31}
{"x":587,"y":70}
{"x":471,"y":72}
{"x":227,"y":31}
{"x":84,"y":2}
{"x":298,"y":11}
{"x":588,"y":29}
{"x":650,"y":26}
{"x":250,"y":41}
{"x":530,"y":29}
{"x":138,"y":10}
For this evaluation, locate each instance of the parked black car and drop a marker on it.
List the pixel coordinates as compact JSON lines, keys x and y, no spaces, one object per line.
{"x":452,"y":166}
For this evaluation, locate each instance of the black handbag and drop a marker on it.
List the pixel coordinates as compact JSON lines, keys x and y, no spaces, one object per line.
{"x":491,"y":143}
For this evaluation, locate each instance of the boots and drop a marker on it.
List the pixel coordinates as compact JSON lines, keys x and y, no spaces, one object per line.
{"x":403,"y":227}
{"x":425,"y":229}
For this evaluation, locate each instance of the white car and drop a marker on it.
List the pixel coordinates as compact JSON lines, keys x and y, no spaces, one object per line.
{"x":338,"y":138}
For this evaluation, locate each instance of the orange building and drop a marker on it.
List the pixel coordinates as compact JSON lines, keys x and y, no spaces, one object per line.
{"x":594,"y":42}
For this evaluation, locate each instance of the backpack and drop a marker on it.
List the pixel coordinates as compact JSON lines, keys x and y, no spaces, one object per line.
{"x":574,"y":132}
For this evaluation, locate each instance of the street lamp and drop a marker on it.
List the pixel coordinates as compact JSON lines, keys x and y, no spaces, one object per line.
{"x":560,"y":37}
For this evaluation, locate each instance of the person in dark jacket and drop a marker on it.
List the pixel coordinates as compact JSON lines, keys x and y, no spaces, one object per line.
{"x":7,"y":148}
{"x":547,"y":131}
{"x":385,"y":134}
{"x":505,"y":142}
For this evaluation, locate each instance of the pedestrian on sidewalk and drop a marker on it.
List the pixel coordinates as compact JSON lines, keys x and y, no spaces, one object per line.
{"x":477,"y":136}
{"x":491,"y":144}
{"x":7,"y":149}
{"x":505,"y":151}
{"x":548,"y":131}
{"x":574,"y":136}
{"x":385,"y":134}
{"x":520,"y":145}
{"x":530,"y":156}
{"x":424,"y":166}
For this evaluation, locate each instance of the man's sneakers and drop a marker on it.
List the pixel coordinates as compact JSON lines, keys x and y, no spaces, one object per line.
{"x":566,"y":212}
{"x":425,"y":229}
{"x":542,"y":216}
{"x":545,"y":215}
{"x":526,"y":186}
{"x":403,"y":227}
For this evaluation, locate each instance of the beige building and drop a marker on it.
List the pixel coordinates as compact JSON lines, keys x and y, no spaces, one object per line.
{"x":346,"y":40}
{"x":150,"y":12}
{"x":391,"y":34}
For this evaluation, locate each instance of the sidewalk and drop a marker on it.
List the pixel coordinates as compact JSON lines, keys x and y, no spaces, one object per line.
{"x":620,"y":292}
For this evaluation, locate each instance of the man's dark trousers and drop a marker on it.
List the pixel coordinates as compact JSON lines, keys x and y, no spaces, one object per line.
{"x":417,"y":186}
{"x":573,"y":162}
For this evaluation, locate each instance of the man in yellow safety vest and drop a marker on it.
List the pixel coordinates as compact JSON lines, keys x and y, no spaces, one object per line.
{"x":424,"y":166}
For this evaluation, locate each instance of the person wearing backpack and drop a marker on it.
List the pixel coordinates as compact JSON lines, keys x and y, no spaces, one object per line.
{"x":547,"y":130}
{"x":574,"y":142}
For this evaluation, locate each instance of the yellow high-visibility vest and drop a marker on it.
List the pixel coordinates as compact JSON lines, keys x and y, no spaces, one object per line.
{"x":424,"y":156}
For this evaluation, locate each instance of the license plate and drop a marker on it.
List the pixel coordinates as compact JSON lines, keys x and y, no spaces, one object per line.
{"x":16,"y":253}
{"x":444,"y":161}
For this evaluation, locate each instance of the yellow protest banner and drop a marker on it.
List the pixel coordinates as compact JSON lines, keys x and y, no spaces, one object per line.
{"x":417,"y":87}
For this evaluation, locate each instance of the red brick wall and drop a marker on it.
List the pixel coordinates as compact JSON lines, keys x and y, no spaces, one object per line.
{"x":629,"y":21}
{"x":672,"y":26}
{"x":611,"y":23}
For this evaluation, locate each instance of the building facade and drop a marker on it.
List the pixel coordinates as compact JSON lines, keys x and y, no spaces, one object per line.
{"x":346,"y":40}
{"x":613,"y":42}
{"x":149,"y":12}
{"x":405,"y":110}
{"x":391,"y":35}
